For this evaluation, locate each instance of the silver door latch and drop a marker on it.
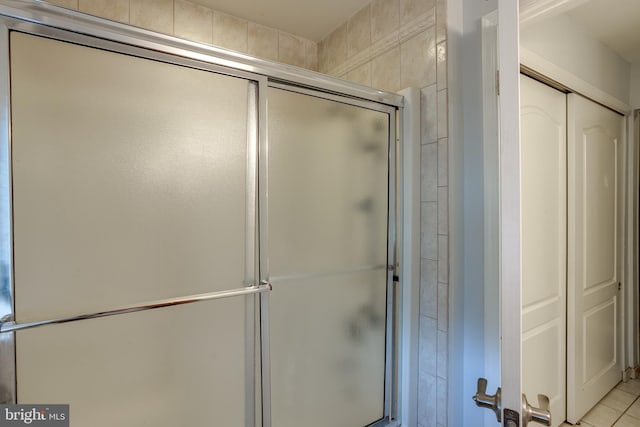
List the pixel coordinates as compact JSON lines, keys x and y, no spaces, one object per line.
{"x":540,"y":415}
{"x":489,"y":401}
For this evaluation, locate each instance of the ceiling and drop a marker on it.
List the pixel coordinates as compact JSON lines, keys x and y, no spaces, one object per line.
{"x":615,"y":22}
{"x":312,"y":19}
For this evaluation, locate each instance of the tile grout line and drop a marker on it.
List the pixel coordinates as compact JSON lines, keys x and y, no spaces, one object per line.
{"x":623,"y":413}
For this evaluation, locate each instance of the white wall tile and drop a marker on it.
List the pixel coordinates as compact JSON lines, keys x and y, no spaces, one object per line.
{"x":193,"y":22}
{"x":418,"y":60}
{"x":427,"y":345}
{"x":429,"y":172}
{"x":443,"y":307}
{"x":70,"y":4}
{"x":427,"y":399}
{"x":429,"y":114}
{"x":311,"y":56}
{"x":230,"y":32}
{"x":359,"y":31}
{"x":154,"y":15}
{"x":323,"y":56}
{"x":429,"y":230}
{"x":385,"y":18}
{"x":443,"y":162}
{"x":337,"y":47}
{"x":410,"y":9}
{"x":441,"y":20}
{"x":443,"y":259}
{"x":292,"y":50}
{"x":442,"y":359}
{"x":361,"y":75}
{"x":385,"y":71}
{"x":441,"y":65}
{"x":116,"y":10}
{"x":443,"y":210}
{"x":443,"y":114}
{"x":262,"y":41}
{"x":441,"y":402}
{"x":429,"y":288}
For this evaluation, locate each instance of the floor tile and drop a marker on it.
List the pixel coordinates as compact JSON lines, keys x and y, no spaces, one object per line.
{"x":627,"y":421}
{"x":602,"y":416}
{"x":631,"y":386}
{"x":634,"y":410}
{"x":618,"y":399}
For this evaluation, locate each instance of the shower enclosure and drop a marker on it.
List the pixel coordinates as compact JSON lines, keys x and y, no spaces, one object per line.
{"x":190,"y":236}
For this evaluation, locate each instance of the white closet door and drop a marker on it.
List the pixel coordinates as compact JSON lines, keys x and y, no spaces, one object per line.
{"x":129,"y":185}
{"x":543,"y":139}
{"x":595,"y":147}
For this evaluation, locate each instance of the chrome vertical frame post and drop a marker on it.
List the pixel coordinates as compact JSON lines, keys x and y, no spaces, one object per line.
{"x":7,"y":340}
{"x":390,"y":397}
{"x":263,"y":165}
{"x":251,"y":252}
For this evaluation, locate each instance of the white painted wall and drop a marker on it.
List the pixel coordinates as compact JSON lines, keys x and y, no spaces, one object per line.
{"x":565,"y":43}
{"x":466,"y":316}
{"x":635,"y":86}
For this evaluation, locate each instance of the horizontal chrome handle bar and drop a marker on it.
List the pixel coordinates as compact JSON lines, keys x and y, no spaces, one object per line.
{"x":263,"y":287}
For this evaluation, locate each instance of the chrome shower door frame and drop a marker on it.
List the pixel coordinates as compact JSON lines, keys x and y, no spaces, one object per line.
{"x":54,"y":22}
{"x":391,"y":410}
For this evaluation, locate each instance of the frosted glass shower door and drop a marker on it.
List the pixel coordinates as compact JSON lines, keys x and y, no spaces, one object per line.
{"x":130,"y":182}
{"x":327,"y":217}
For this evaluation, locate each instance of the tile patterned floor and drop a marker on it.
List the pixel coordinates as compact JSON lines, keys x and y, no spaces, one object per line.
{"x":619,"y":408}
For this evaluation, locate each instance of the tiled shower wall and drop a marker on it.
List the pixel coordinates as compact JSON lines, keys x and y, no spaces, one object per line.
{"x":390,"y":45}
{"x":193,"y":22}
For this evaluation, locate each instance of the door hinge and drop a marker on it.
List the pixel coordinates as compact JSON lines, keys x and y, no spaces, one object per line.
{"x":498,"y":82}
{"x":619,"y":285}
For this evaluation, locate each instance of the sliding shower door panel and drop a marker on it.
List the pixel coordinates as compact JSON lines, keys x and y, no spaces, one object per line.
{"x":130,"y":180}
{"x":328,"y":350}
{"x":327,"y":215}
{"x":328,"y":179}
{"x":180,"y":366}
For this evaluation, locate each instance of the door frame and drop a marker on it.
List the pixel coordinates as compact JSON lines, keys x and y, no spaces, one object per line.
{"x":31,"y":17}
{"x":509,"y":55}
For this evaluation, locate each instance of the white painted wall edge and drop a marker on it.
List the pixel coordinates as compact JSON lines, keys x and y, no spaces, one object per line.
{"x":491,"y":167}
{"x":510,"y":205}
{"x":459,"y":405}
{"x":410,"y":255}
{"x":631,"y":244}
{"x":636,"y":215}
